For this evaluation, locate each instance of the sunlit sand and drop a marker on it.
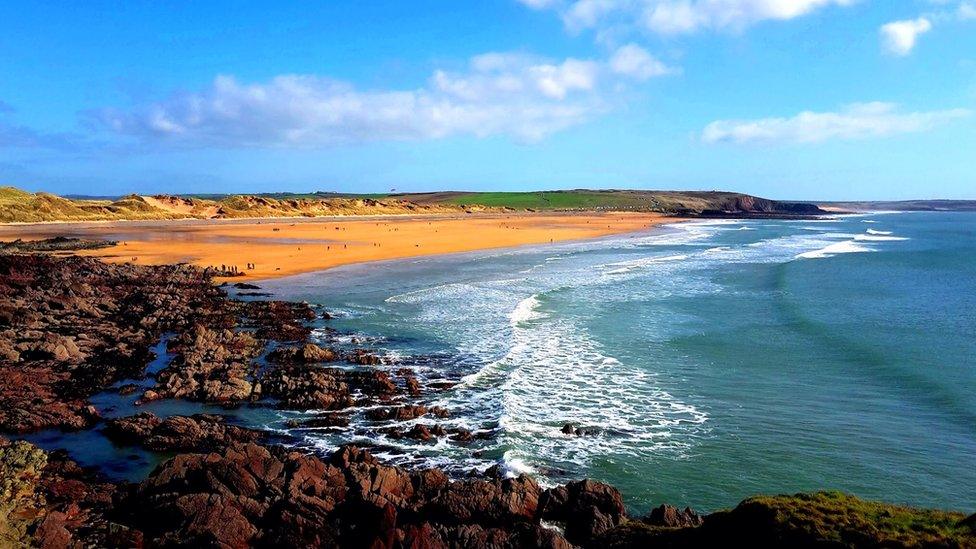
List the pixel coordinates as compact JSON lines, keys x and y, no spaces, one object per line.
{"x":280,"y":247}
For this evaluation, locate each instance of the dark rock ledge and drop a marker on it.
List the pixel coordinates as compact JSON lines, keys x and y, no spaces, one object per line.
{"x":250,"y":495}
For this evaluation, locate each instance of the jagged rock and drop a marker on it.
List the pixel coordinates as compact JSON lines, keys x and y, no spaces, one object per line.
{"x":198,"y":433}
{"x":278,"y":320}
{"x":307,"y":388}
{"x":425,"y":433}
{"x":413,"y":386}
{"x":396,"y":413}
{"x":246,"y":286}
{"x":670,"y":516}
{"x":572,"y":430}
{"x":324,"y":420}
{"x":299,"y":387}
{"x":363,"y":358}
{"x":71,"y":327}
{"x":587,"y":508}
{"x":210,"y":366}
{"x":128,"y":389}
{"x":306,"y":354}
{"x":462,"y":435}
{"x":247,"y":495}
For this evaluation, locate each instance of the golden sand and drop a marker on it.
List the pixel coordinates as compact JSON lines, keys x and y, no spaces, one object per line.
{"x":282,"y":247}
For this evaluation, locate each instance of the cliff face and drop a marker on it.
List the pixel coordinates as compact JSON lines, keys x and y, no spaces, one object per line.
{"x":752,"y":204}
{"x":741,"y":205}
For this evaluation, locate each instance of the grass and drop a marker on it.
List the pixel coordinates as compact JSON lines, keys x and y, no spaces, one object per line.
{"x":20,"y":206}
{"x":847,"y":520}
{"x":10,"y":195}
{"x":550,"y":200}
{"x":820,"y":519}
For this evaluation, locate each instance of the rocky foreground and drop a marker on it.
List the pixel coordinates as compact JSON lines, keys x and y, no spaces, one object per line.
{"x":72,"y":327}
{"x":250,"y":495}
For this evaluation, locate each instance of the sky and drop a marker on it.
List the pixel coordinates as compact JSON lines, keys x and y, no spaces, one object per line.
{"x":788,"y":99}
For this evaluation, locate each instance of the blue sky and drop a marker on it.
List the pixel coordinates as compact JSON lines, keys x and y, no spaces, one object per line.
{"x":802,"y":99}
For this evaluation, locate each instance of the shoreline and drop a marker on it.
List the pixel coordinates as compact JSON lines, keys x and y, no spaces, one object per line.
{"x":263,"y":249}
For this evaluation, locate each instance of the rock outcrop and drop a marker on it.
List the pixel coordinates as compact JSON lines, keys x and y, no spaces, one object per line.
{"x":199,"y":433}
{"x":252,"y":496}
{"x":210,"y":366}
{"x":46,"y":500}
{"x":71,"y":326}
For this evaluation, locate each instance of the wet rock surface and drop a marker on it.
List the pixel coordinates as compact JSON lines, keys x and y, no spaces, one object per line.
{"x":255,"y":496}
{"x":198,"y":433}
{"x":56,"y":244}
{"x":309,"y":353}
{"x":71,"y":327}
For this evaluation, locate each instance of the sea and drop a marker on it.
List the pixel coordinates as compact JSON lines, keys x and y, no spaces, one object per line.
{"x":698,"y":363}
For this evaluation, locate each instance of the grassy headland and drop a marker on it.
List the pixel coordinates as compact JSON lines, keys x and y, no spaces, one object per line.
{"x":18,"y":206}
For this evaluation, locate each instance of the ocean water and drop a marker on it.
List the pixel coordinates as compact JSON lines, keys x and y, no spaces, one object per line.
{"x":708,"y":361}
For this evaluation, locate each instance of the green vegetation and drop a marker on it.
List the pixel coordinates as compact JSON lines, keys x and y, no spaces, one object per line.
{"x":12,"y":194}
{"x":552,"y":200}
{"x":848,"y":520}
{"x":672,"y":202}
{"x":20,"y":206}
{"x":821,"y":519}
{"x":17,"y":206}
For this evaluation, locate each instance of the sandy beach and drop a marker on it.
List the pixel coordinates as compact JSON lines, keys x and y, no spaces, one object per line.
{"x":270,"y":248}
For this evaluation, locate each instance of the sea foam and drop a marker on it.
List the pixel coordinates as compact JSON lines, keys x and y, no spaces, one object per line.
{"x":846,"y":247}
{"x":526,"y":310}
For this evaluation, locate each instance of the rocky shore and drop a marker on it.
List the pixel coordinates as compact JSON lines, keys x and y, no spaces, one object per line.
{"x":72,"y":328}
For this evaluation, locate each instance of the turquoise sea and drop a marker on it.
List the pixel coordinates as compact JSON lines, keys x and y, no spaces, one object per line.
{"x":712,"y":360}
{"x":707,"y":361}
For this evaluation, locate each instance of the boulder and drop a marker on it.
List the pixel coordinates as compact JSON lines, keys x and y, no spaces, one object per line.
{"x":198,"y":433}
{"x":586,"y":507}
{"x":670,"y":516}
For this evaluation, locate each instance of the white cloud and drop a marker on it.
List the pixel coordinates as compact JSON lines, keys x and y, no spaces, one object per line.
{"x":900,"y":37}
{"x":634,"y":61}
{"x":966,"y":11}
{"x":679,"y":16}
{"x":857,"y":121}
{"x":501,"y":94}
{"x":511,"y":94}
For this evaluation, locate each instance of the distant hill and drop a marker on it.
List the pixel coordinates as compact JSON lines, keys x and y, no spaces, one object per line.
{"x":906,"y":205}
{"x":694,"y":203}
{"x":24,"y":207}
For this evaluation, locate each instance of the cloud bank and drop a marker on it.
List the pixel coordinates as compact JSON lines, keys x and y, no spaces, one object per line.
{"x":856,"y":121}
{"x":515,"y":95}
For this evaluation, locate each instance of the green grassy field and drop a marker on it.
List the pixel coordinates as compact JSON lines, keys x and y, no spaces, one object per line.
{"x":546,"y":200}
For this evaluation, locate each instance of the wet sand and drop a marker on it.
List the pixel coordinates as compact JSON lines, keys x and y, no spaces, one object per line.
{"x":270,"y":248}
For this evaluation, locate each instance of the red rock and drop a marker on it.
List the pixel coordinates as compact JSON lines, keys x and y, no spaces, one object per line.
{"x":587,"y":508}
{"x":670,"y":517}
